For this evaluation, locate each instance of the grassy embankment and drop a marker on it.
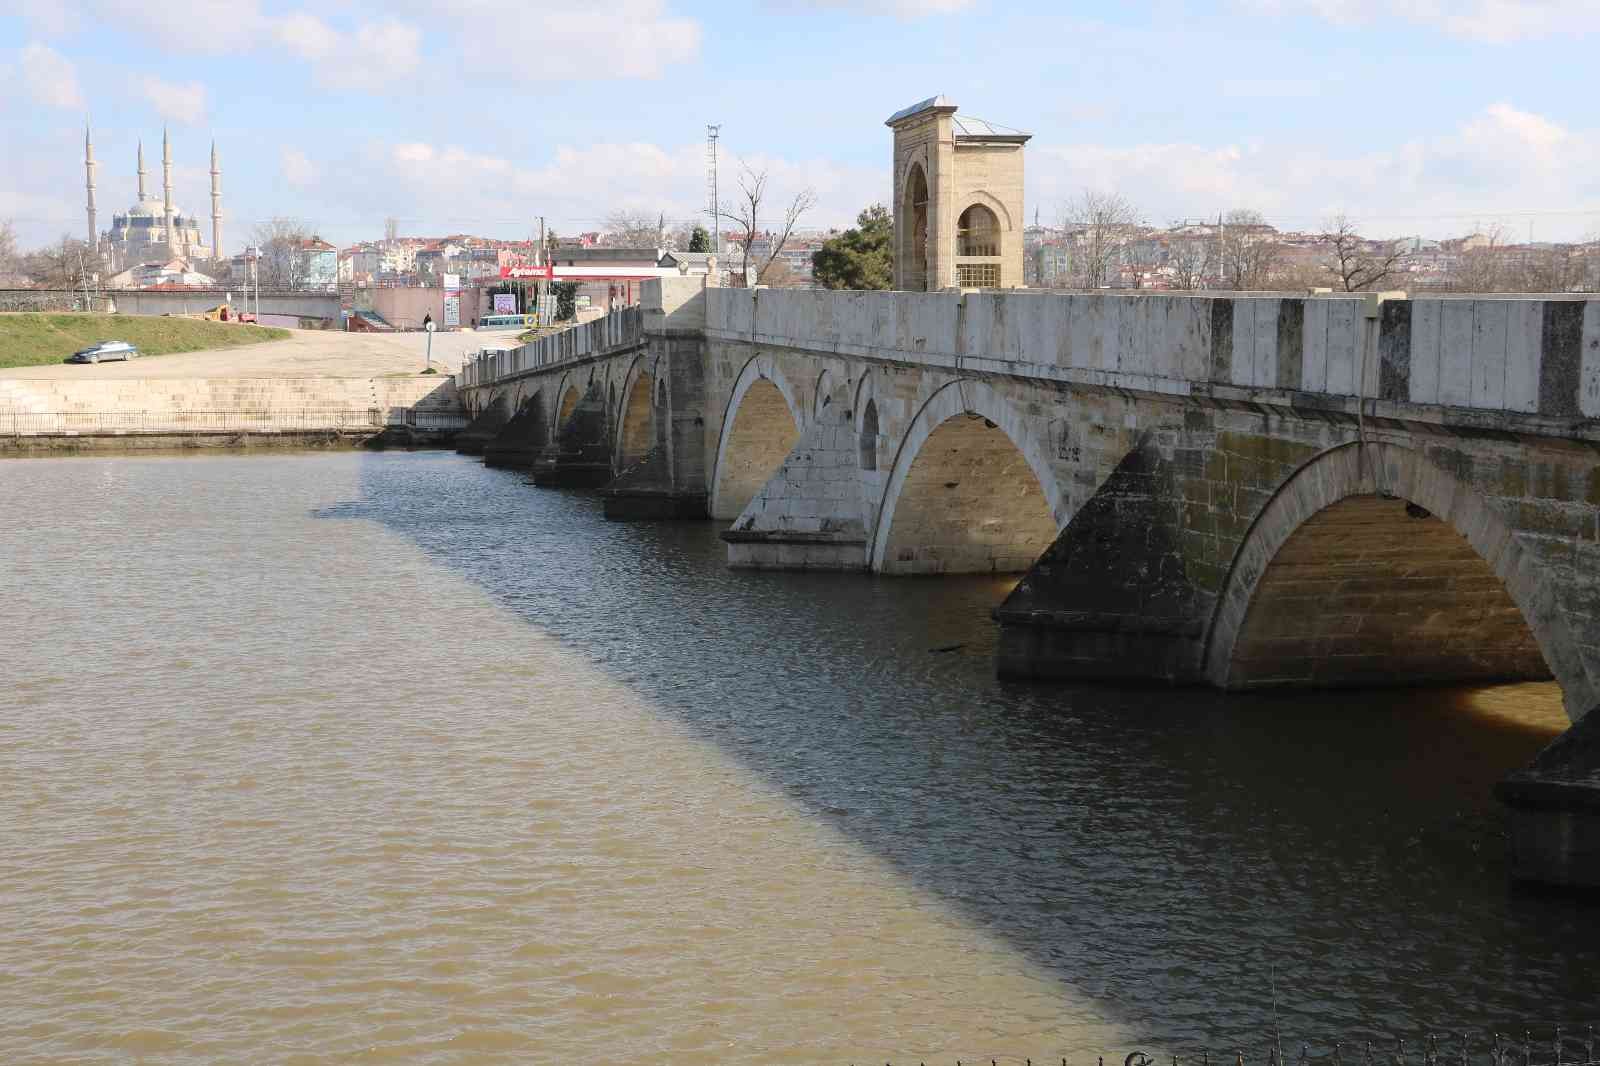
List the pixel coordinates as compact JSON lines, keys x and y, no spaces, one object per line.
{"x":33,"y":339}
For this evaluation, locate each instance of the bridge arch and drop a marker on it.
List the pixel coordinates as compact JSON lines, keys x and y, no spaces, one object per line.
{"x":636,"y":424}
{"x":568,"y":403}
{"x":1362,"y":568}
{"x":760,"y":426}
{"x":970,"y":491}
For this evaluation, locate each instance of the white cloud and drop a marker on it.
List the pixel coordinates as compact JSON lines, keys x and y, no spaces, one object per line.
{"x":445,"y":188}
{"x":1500,"y":163}
{"x":380,"y":56}
{"x":181,"y":102}
{"x":906,"y":9}
{"x":1493,"y":21}
{"x":307,"y":36}
{"x":557,"y":39}
{"x":49,"y":77}
{"x":47,"y":16}
{"x":298,"y":169}
{"x":372,"y":46}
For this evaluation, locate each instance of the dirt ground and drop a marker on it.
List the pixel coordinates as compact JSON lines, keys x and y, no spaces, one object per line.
{"x":307,"y":353}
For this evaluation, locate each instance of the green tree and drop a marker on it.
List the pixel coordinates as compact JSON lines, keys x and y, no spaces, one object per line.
{"x":699,"y":240}
{"x":566,"y":293}
{"x":858,"y":258}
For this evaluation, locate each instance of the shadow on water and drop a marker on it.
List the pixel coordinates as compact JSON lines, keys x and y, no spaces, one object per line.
{"x":1164,"y":852}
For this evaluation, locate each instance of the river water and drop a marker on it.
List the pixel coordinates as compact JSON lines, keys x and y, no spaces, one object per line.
{"x":392,"y":757}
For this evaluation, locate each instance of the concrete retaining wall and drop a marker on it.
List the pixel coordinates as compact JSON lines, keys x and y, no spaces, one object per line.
{"x":181,"y":405}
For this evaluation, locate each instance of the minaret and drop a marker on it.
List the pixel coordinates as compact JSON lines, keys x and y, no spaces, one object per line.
{"x":216,"y":204}
{"x":88,"y":169}
{"x":166,"y":192}
{"x":142,"y":171}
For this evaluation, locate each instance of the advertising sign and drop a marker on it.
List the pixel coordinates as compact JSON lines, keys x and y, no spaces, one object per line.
{"x":546,"y":271}
{"x":452,"y":310}
{"x":505,"y":303}
{"x":452,"y":282}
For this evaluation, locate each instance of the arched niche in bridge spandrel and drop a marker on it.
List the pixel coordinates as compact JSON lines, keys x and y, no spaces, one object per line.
{"x":867,"y":438}
{"x":822,"y":398}
{"x":1375,"y":566}
{"x":970,"y":490}
{"x":761,"y":425}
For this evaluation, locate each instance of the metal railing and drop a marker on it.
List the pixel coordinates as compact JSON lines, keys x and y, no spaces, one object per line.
{"x":273,"y":420}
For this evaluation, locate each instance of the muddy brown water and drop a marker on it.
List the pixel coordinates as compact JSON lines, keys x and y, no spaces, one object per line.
{"x":392,"y":757}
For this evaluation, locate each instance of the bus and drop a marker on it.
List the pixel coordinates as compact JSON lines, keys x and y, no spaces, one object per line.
{"x":518,"y":322}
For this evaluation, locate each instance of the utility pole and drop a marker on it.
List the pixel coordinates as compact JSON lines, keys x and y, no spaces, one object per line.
{"x":712,"y":133}
{"x":538,"y":285}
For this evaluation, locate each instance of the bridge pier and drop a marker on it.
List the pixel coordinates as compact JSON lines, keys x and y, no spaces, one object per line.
{"x":483,"y":428}
{"x":1555,"y":811}
{"x":645,"y":492}
{"x":1113,"y":597}
{"x":810,"y":514}
{"x":520,"y":442}
{"x":581,"y":454}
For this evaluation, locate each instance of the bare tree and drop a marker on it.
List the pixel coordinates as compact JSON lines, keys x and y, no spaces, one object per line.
{"x":745,"y":213}
{"x":66,"y":264}
{"x":1104,"y":223}
{"x":1191,"y":260}
{"x":8,"y":246}
{"x":276,"y":241}
{"x":1559,"y":268}
{"x":1482,"y":267}
{"x":1248,"y":248}
{"x":632,"y":229}
{"x":1358,"y":263}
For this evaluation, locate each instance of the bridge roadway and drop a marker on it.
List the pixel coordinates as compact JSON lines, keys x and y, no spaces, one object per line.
{"x":1244,"y":491}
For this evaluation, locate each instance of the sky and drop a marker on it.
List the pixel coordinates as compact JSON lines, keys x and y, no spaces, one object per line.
{"x":1430,"y":117}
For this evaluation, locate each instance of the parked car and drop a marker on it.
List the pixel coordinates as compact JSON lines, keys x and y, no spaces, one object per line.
{"x":105,"y":350}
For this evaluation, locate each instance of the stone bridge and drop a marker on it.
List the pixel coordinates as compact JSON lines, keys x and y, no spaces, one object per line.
{"x":1244,"y":491}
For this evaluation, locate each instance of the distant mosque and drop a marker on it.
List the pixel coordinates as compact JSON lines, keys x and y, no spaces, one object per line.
{"x":154,"y":230}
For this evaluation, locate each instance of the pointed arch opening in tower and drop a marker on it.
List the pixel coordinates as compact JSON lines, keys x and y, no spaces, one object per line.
{"x":914,"y":251}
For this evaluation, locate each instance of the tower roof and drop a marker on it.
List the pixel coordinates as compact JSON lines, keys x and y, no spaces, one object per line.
{"x":932,"y":103}
{"x":971,"y":128}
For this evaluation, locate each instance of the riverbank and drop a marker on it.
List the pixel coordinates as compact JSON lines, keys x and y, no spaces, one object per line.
{"x":38,"y":339}
{"x":312,"y":387}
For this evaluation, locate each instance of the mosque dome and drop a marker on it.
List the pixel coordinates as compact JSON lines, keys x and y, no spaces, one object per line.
{"x":149,"y":209}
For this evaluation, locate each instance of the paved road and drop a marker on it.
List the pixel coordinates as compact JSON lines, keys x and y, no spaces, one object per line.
{"x":308,"y":353}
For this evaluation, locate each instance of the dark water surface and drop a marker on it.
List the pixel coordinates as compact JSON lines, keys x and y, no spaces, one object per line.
{"x":1170,"y":854}
{"x":274,"y":768}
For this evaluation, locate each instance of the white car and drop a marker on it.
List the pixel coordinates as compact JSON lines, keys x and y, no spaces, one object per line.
{"x":105,"y":350}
